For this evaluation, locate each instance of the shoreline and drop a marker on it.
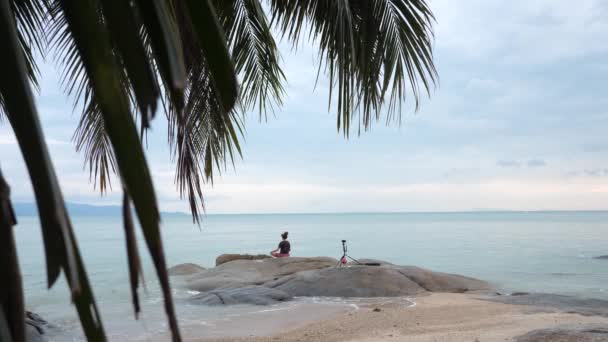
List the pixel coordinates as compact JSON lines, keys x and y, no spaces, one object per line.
{"x":439,"y":317}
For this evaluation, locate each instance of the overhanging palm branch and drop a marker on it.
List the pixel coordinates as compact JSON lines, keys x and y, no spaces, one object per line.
{"x":391,"y":53}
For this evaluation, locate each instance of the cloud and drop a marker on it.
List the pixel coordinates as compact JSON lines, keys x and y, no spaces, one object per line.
{"x":536,"y":163}
{"x":508,"y":163}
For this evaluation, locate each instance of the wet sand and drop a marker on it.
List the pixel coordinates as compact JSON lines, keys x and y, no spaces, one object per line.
{"x":438,"y":317}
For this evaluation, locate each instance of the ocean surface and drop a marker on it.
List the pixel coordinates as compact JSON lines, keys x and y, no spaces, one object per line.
{"x":516,"y":251}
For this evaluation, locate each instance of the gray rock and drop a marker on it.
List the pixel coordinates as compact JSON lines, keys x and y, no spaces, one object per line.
{"x":373,"y":281}
{"x":32,"y":334}
{"x":185,"y":269}
{"x":566,"y":335}
{"x":257,"y":295}
{"x":442,"y":282}
{"x":582,"y":306}
{"x":224,"y":258}
{"x":35,"y":327}
{"x":240,"y":281}
{"x":253,"y":272}
{"x":354,"y":281}
{"x":601,"y":257}
{"x":372,"y":261}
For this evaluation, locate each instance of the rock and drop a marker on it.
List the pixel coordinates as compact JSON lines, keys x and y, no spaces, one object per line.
{"x":185,"y":269}
{"x":372,"y":261}
{"x":35,"y":327}
{"x":257,"y":295}
{"x":268,"y":280}
{"x":601,"y":257}
{"x":376,"y":310}
{"x":442,"y":282}
{"x":354,"y":281}
{"x":520,"y":294}
{"x":588,"y":307}
{"x":224,"y":258}
{"x":373,"y":281}
{"x":253,"y":272}
{"x":565,"y":335}
{"x":32,"y":334}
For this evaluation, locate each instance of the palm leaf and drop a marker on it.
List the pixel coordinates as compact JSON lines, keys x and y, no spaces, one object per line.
{"x":123,"y":23}
{"x":93,"y":42}
{"x":164,"y":41}
{"x":393,"y":50}
{"x":11,"y":298}
{"x":92,"y":139}
{"x":132,"y":254}
{"x":30,"y":18}
{"x":254,"y":52}
{"x":61,"y":249}
{"x":210,"y":95}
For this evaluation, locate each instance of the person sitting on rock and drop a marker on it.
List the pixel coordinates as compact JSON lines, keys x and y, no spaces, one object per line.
{"x":283,"y":249}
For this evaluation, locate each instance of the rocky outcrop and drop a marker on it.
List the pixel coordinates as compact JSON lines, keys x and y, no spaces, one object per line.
{"x":356,"y":281}
{"x":257,"y":295}
{"x":239,"y":273}
{"x":566,"y":335}
{"x":267,"y":281}
{"x":373,"y":281}
{"x":35,"y":328}
{"x":224,"y":258}
{"x":552,"y":302}
{"x":185,"y":269}
{"x":601,"y":257}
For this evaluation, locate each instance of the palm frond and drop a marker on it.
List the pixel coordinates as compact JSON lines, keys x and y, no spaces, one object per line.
{"x":11,"y":297}
{"x":255,"y":54}
{"x":60,"y":246}
{"x":92,"y":139}
{"x":30,"y":17}
{"x":393,"y":50}
{"x":162,"y":37}
{"x":132,"y":253}
{"x":105,"y":74}
{"x":126,"y":32}
{"x":203,"y":136}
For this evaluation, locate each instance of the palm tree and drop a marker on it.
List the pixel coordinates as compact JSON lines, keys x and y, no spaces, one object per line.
{"x":120,"y":57}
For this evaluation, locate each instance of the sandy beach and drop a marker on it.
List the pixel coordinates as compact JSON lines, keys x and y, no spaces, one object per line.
{"x":438,"y":317}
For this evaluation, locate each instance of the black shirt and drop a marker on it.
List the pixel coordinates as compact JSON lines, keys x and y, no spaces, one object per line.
{"x":285,"y":247}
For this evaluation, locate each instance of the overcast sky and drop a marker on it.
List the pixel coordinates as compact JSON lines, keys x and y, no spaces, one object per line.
{"x":519,"y":121}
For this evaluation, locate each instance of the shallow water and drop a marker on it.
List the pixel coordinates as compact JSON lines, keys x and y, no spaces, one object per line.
{"x":525,"y":251}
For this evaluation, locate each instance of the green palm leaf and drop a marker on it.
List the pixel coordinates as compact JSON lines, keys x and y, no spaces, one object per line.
{"x":393,"y":51}
{"x":61,"y":249}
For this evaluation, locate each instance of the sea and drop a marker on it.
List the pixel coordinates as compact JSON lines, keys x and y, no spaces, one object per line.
{"x":551,"y":252}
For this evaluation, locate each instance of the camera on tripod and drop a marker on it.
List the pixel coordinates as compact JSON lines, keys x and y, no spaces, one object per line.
{"x":344,"y":259}
{"x":345,"y":256}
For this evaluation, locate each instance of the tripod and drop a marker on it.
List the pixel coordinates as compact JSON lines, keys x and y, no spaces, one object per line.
{"x":343,"y":260}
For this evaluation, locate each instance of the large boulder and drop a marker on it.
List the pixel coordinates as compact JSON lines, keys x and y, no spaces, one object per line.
{"x":442,"y":282}
{"x":601,"y":257}
{"x":224,"y":258}
{"x":238,"y":273}
{"x":185,"y":269}
{"x":257,"y":295}
{"x":571,"y":304}
{"x":266,"y":281}
{"x":355,"y":281}
{"x":35,"y":328}
{"x":566,"y":335}
{"x":373,"y":281}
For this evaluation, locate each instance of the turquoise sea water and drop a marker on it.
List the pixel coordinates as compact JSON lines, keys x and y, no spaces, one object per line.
{"x":516,"y":251}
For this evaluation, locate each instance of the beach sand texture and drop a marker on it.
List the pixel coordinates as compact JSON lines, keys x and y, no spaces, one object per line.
{"x":438,"y":317}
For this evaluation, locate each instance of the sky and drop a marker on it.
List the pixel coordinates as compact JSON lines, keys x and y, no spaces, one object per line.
{"x":518,"y":122}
